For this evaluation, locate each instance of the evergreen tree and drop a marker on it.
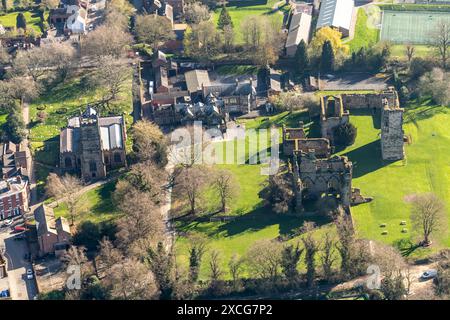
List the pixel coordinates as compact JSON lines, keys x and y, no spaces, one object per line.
{"x":327,"y":58}
{"x":161,"y":264}
{"x":224,"y":19}
{"x":21,"y":23}
{"x":301,"y":59}
{"x":15,"y":126}
{"x":194,"y":264}
{"x":290,"y":257}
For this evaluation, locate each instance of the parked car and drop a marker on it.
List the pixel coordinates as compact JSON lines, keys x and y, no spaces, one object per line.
{"x":30,"y":274}
{"x":4,"y":293}
{"x":8,"y":222}
{"x":429,"y":274}
{"x":19,"y":229}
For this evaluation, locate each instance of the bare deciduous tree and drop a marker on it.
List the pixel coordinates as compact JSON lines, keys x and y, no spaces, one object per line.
{"x":427,"y":215}
{"x":111,"y":77}
{"x":410,"y":50}
{"x":131,"y":280}
{"x":235,"y":266}
{"x":149,"y":142}
{"x":440,"y":40}
{"x":328,"y":257}
{"x":192,"y":182}
{"x":66,"y":188}
{"x":105,"y":41}
{"x":264,"y":259}
{"x":226,"y":187}
{"x":153,"y":30}
{"x":141,"y":224}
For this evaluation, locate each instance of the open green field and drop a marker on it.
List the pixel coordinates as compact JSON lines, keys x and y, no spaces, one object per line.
{"x":426,"y":169}
{"x":422,"y":51}
{"x":411,"y":26}
{"x":95,"y":205}
{"x":32,"y":18}
{"x":254,"y":221}
{"x":243,"y":9}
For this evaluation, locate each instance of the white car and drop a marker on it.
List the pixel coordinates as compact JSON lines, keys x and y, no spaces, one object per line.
{"x":30,"y":275}
{"x":429,"y":274}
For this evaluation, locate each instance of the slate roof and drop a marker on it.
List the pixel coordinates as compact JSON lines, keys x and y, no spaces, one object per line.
{"x":336,"y":13}
{"x":195,"y":79}
{"x":299,"y":29}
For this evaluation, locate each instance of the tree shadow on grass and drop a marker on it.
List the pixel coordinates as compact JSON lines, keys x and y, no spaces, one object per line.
{"x":366,"y":159}
{"x":105,"y":204}
{"x":406,"y":246}
{"x":246,"y":3}
{"x":264,"y":217}
{"x":48,"y":154}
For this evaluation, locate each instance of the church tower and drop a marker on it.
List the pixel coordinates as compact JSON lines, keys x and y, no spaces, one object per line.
{"x":92,"y":162}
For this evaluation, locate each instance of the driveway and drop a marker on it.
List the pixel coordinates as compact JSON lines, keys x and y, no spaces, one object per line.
{"x":14,"y":251}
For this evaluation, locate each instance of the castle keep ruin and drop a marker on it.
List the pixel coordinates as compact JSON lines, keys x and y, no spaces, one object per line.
{"x":335,"y":111}
{"x":315,"y":171}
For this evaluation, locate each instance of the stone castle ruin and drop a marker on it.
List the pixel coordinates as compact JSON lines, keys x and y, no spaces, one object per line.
{"x":316,"y":172}
{"x":336,"y":110}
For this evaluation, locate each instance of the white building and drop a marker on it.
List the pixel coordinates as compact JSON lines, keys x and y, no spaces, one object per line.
{"x":337,"y":14}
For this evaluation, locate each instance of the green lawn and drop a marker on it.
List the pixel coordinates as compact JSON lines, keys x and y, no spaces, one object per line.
{"x":96,"y":205}
{"x":32,"y":18}
{"x":364,"y":35}
{"x":61,"y":102}
{"x":422,"y":51}
{"x":426,"y":169}
{"x":243,"y":9}
{"x":254,"y":221}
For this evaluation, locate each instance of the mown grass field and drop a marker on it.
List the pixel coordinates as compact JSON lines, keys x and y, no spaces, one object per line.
{"x":364,"y":35}
{"x":32,"y":18}
{"x":94,"y":206}
{"x":426,"y":169}
{"x":243,"y":9}
{"x":254,"y":221}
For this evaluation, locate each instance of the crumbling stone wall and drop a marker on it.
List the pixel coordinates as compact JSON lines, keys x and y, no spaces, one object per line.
{"x":316,"y":176}
{"x":294,"y":140}
{"x":332,"y":115}
{"x":370,"y":100}
{"x":392,"y":135}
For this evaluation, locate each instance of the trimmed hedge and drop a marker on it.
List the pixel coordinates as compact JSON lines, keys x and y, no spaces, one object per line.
{"x":416,"y":7}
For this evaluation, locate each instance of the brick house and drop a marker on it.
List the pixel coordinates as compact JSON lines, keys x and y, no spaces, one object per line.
{"x":53,"y":235}
{"x":14,"y":197}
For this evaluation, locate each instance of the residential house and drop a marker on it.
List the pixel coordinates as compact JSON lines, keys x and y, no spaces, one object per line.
{"x":53,"y":234}
{"x":14,"y":159}
{"x":14,"y":197}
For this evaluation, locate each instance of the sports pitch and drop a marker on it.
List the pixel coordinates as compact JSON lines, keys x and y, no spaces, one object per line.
{"x":410,"y":26}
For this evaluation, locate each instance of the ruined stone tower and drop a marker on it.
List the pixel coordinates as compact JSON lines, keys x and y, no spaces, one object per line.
{"x":92,"y":163}
{"x":392,"y":134}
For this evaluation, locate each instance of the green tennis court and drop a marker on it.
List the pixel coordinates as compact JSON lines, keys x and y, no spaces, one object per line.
{"x":411,"y":26}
